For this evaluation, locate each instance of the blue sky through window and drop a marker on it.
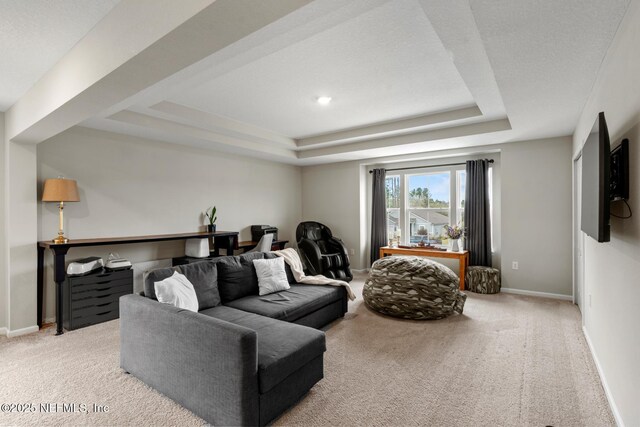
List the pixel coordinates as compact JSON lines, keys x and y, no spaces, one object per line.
{"x":438,"y":184}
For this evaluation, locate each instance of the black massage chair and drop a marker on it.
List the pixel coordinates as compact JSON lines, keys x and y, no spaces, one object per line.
{"x":322,"y":253}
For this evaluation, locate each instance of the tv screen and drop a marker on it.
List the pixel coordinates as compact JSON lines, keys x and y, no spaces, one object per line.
{"x":595,"y":182}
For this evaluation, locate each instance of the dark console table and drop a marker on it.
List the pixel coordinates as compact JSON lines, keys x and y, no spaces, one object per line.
{"x":222,"y":239}
{"x":277,"y":245}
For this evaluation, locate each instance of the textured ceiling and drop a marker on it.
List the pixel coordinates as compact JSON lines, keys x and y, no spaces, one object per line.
{"x":35,"y":34}
{"x":545,"y":56}
{"x":406,"y":76}
{"x":384,"y":64}
{"x":526,"y":67}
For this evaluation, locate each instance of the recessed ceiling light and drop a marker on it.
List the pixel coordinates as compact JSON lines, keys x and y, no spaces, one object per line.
{"x":324,"y":100}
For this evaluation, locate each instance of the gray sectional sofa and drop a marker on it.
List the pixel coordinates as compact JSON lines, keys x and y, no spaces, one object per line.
{"x":243,"y":359}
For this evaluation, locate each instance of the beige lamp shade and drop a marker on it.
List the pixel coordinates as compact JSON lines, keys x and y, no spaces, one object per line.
{"x":60,"y":190}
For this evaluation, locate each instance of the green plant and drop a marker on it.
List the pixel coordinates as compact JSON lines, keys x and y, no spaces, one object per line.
{"x":211,"y":215}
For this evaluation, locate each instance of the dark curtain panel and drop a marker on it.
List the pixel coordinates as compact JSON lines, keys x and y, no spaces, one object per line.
{"x":378,"y":214}
{"x":476,"y":213}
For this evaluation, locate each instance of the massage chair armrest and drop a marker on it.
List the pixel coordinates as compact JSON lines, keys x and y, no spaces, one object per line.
{"x":339,"y":246}
{"x":207,"y":365}
{"x":311,"y":256}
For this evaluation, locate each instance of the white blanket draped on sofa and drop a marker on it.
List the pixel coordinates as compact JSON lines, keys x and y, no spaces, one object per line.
{"x":292,"y":258}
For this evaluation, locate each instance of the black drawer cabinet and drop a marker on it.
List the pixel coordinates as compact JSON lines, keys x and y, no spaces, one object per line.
{"x":95,"y":298}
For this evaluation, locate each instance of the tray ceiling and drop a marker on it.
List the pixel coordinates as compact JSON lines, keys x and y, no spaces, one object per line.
{"x":405,"y":76}
{"x":384,"y":64}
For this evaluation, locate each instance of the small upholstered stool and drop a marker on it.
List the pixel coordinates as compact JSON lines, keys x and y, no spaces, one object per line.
{"x":482,"y":280}
{"x":413,"y":288}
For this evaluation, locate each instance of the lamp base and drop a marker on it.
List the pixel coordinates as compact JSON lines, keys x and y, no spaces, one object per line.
{"x":60,"y":240}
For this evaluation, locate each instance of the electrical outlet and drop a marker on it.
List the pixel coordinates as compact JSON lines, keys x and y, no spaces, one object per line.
{"x":352,"y":251}
{"x":514,"y":265}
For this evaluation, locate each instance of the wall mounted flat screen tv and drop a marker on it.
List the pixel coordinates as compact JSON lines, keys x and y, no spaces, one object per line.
{"x":594,"y":220}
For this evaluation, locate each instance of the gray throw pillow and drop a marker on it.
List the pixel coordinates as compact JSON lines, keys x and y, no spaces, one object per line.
{"x":202,"y":275}
{"x":154,"y":276}
{"x":237,"y":276}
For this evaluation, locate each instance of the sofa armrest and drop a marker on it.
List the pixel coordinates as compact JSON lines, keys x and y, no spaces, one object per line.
{"x":207,"y":365}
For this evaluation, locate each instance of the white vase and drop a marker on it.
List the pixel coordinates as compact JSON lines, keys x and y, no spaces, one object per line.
{"x":454,"y":246}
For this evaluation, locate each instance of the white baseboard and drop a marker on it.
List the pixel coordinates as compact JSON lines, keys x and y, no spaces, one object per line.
{"x":607,"y":391}
{"x":23,"y":331}
{"x":3,"y":331}
{"x":536,"y":294}
{"x":49,"y":320}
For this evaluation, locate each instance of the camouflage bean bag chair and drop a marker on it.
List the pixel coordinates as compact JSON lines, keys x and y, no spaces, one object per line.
{"x":413,"y":288}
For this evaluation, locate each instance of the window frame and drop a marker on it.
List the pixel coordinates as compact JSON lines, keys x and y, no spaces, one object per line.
{"x":400,"y":202}
{"x":459,"y":208}
{"x":456,"y":213}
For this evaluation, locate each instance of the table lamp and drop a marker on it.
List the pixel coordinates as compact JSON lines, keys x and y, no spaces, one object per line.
{"x":60,"y":190}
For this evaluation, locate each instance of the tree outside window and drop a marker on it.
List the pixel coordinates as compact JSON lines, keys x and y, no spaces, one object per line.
{"x":428,"y":206}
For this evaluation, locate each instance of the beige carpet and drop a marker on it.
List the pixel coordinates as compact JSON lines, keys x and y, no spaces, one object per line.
{"x":509,"y":360}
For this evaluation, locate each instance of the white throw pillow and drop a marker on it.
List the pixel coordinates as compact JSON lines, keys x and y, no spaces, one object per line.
{"x":178,"y":291}
{"x":272,"y":276}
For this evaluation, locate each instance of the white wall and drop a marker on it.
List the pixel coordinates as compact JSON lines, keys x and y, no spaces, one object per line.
{"x":22,"y":235}
{"x":18,"y":216}
{"x":532,"y":210}
{"x":4,"y":297}
{"x":331,"y":195}
{"x":130,"y":186}
{"x":536,"y":216}
{"x":612,"y":270}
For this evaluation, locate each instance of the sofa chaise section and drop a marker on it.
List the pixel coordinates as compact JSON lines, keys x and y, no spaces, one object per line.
{"x":289,"y":358}
{"x":228,"y":366}
{"x":207,"y":365}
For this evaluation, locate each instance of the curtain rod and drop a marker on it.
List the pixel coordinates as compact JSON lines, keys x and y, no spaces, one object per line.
{"x":431,"y":166}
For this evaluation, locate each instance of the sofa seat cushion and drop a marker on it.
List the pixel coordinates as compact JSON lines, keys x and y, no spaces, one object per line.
{"x":283,"y":347}
{"x":292,"y":304}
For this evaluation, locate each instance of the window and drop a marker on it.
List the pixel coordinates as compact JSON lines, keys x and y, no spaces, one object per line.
{"x":421,"y":202}
{"x":428,"y":205}
{"x":392,"y":184}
